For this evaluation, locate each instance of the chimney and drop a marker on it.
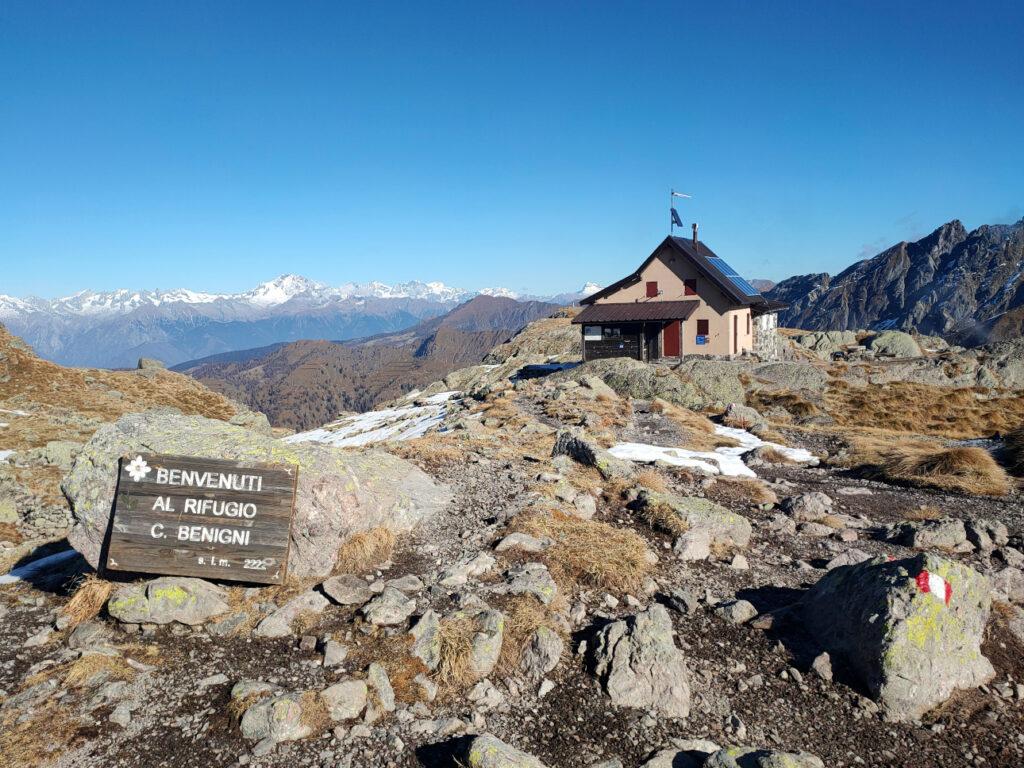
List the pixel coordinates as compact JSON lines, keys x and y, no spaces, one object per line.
{"x":695,"y":233}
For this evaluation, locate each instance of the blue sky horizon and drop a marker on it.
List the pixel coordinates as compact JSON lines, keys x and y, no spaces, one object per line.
{"x":216,"y":146}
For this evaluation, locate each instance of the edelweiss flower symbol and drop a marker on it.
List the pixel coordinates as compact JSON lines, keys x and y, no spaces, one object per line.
{"x":138,"y":469}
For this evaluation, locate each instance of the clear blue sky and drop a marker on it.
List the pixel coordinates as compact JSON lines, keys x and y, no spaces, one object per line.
{"x":213,"y":145}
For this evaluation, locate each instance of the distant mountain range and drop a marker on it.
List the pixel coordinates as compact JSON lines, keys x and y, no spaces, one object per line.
{"x":113,"y":329}
{"x":966,"y":286}
{"x":304,"y":384}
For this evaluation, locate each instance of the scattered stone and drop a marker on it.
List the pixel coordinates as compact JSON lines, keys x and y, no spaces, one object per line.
{"x":693,"y":545}
{"x":892,"y":624}
{"x":345,"y":700}
{"x":575,"y":444}
{"x":736,"y":611}
{"x":726,"y":529}
{"x":335,"y":653}
{"x":741,"y":416}
{"x":457,"y":575}
{"x":808,"y":507}
{"x":639,"y":665}
{"x":279,"y":623}
{"x":947,"y":535}
{"x":347,"y":589}
{"x":849,"y":557}
{"x":822,"y":666}
{"x":389,"y":608}
{"x":487,"y":751}
{"x":1010,"y":583}
{"x":530,"y":579}
{"x":745,"y":757}
{"x":523,"y":542}
{"x":542,"y":653}
{"x":378,"y":679}
{"x":986,"y":535}
{"x":426,"y":639}
{"x":275,"y":719}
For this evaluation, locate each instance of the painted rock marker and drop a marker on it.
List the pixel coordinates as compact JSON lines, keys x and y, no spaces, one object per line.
{"x":186,"y":516}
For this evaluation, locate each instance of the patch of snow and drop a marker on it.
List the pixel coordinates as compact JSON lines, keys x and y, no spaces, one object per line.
{"x":406,"y":423}
{"x":28,"y":571}
{"x":4,"y":424}
{"x":721,"y":461}
{"x":5,"y":455}
{"x":15,"y":413}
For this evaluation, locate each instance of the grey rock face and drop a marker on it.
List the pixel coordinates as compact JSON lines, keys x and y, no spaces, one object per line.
{"x":347,"y":589}
{"x":575,"y":444}
{"x":530,"y":579}
{"x":339,"y":492}
{"x":389,"y":608}
{"x":948,"y":535}
{"x":736,"y":611}
{"x":487,"y":751}
{"x":808,"y":507}
{"x":640,"y":666}
{"x":726,"y":529}
{"x":345,"y":700}
{"x":542,"y":653}
{"x":895,"y":344}
{"x":890,"y":622}
{"x":279,"y":623}
{"x":742,"y":416}
{"x":275,"y":719}
{"x":378,"y":678}
{"x":168,"y":599}
{"x":426,"y":644}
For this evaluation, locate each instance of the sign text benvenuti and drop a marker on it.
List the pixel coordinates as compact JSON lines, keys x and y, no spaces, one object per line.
{"x":184,"y":516}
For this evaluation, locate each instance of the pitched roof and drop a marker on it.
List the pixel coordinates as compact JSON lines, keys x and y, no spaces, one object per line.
{"x":636,"y":312}
{"x":707,"y":261}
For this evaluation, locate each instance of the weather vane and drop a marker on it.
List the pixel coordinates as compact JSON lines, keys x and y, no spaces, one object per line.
{"x":675,"y":221}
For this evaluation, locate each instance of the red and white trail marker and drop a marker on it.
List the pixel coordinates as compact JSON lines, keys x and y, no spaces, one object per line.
{"x":934,"y":584}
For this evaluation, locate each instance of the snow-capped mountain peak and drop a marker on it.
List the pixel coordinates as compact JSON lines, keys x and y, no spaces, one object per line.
{"x":282,"y":289}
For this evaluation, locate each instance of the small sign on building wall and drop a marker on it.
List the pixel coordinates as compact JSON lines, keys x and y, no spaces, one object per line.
{"x":702,"y":339}
{"x":184,"y":516}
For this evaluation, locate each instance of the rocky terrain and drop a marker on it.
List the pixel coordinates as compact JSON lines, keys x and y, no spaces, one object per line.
{"x":821,"y":565}
{"x":967,"y":286}
{"x":307,"y":383}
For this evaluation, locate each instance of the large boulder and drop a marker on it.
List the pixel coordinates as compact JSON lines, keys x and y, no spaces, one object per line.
{"x":746,"y":757}
{"x":339,"y":492}
{"x":895,"y":344}
{"x":487,"y":751}
{"x":639,"y":665}
{"x":825,"y":343}
{"x":582,"y":448}
{"x":910,"y":629}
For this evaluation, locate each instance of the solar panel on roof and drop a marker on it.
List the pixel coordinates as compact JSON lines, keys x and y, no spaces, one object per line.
{"x":733,"y":276}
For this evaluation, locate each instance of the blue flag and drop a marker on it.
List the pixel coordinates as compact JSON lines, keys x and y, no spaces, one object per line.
{"x":675,"y":218}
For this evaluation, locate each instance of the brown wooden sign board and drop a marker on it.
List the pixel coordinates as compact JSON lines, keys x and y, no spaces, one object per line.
{"x":213,"y":519}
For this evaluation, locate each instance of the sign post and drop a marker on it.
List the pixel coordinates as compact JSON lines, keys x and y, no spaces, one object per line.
{"x":214,"y":519}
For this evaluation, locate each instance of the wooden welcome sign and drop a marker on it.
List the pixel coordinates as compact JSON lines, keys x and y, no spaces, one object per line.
{"x":184,"y":516}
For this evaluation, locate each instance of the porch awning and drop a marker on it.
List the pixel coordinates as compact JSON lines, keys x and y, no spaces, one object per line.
{"x":636,"y":312}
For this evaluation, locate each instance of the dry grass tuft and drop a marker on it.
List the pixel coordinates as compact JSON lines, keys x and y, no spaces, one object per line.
{"x":794,"y":403}
{"x":773,"y":455}
{"x":91,"y":666}
{"x":394,"y":653}
{"x":454,"y":670}
{"x":924,"y":512}
{"x":432,"y":452}
{"x":524,"y":615}
{"x":38,"y":739}
{"x":365,"y":551}
{"x":1014,"y":450}
{"x":589,"y":553}
{"x":741,"y":490}
{"x":833,"y":522}
{"x":960,"y":470}
{"x":88,"y":600}
{"x":238,"y":706}
{"x":601,"y":412}
{"x":315,"y":714}
{"x":652,"y":480}
{"x":662,"y":517}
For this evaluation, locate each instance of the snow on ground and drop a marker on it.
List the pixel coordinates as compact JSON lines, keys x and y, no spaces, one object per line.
{"x":403,"y":423}
{"x":15,"y":413}
{"x":5,"y":455}
{"x":30,"y":570}
{"x":721,"y":461}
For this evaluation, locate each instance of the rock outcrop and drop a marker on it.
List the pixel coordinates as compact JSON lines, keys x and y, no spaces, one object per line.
{"x":910,"y":629}
{"x":339,"y":493}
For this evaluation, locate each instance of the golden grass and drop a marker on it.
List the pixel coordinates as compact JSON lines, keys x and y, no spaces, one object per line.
{"x":652,"y":480}
{"x":950,"y":412}
{"x":365,"y":551}
{"x":455,"y":638}
{"x":588,"y":552}
{"x":315,"y":714}
{"x":39,"y":739}
{"x":432,"y":452}
{"x":833,"y":522}
{"x":602,"y":412}
{"x":924,"y":512}
{"x":394,"y":653}
{"x":1014,"y":449}
{"x":663,"y":517}
{"x":964,"y":470}
{"x":81,"y":671}
{"x":773,"y":455}
{"x":88,"y":600}
{"x":793,"y":403}
{"x":741,"y":490}
{"x":238,"y":706}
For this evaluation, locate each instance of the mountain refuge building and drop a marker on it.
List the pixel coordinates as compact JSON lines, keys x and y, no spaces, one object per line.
{"x":682,"y":300}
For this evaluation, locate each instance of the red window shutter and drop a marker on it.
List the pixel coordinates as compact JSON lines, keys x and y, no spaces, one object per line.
{"x":652,"y":288}
{"x":702,"y":328}
{"x":690,"y":287}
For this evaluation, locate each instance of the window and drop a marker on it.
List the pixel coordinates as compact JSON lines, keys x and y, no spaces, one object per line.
{"x":690,"y":287}
{"x":652,"y":288}
{"x":592,"y":333}
{"x":702,"y":328}
{"x":612,"y":332}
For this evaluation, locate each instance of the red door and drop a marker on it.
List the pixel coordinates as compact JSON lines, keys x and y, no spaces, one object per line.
{"x":670,"y":339}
